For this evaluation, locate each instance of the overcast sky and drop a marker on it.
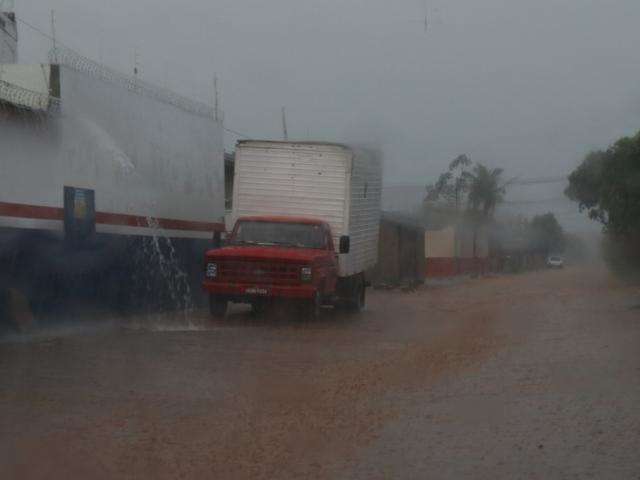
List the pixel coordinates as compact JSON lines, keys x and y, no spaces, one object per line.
{"x":527,"y":85}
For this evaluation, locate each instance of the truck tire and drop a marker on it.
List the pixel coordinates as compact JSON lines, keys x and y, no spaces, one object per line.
{"x":357,"y":298}
{"x":15,"y":311}
{"x":217,"y":306}
{"x":259,"y":308}
{"x":312,"y":308}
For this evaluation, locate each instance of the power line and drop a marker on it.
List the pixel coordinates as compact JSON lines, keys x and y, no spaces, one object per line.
{"x":538,"y":181}
{"x":36,"y":29}
{"x":514,"y":181}
{"x":531,"y":202}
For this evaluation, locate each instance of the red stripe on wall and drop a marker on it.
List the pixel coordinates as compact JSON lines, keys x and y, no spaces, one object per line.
{"x":450,"y":266}
{"x":441,"y":267}
{"x":166,"y":223}
{"x":18,"y":210}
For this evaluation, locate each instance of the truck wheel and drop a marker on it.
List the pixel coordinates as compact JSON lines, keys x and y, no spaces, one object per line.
{"x":313,"y":307}
{"x":259,"y":307}
{"x":15,"y":311}
{"x":357,"y":299}
{"x":217,"y":306}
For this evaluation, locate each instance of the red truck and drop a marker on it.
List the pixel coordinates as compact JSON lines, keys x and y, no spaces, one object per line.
{"x":306,"y":230}
{"x":271,"y":258}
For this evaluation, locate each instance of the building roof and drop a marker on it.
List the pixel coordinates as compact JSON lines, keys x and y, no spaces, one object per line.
{"x":276,"y":143}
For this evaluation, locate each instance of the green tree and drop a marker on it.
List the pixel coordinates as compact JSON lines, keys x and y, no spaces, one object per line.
{"x":545,"y":234}
{"x":607,"y":185}
{"x":453,"y":184}
{"x":486,"y":191}
{"x":479,"y":187}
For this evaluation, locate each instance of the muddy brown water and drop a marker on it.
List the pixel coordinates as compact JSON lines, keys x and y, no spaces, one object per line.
{"x":530,"y":376}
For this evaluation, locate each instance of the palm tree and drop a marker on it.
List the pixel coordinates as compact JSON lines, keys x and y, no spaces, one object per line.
{"x":486,"y":191}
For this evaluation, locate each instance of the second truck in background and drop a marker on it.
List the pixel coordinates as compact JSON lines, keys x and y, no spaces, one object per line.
{"x":307,"y":219}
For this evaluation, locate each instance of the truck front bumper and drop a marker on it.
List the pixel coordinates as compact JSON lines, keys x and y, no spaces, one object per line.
{"x":240,"y":292}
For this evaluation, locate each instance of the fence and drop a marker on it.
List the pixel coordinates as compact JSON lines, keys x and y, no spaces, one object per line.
{"x":75,"y":61}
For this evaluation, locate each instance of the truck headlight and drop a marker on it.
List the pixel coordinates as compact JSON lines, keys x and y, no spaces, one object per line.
{"x":306,"y":274}
{"x":212,"y":270}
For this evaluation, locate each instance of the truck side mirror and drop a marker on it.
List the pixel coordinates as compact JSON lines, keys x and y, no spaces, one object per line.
{"x":216,"y":241}
{"x":219,"y":239}
{"x":345,"y":244}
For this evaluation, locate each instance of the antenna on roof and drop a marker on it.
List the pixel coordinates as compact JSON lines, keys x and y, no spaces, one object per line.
{"x":136,"y":62}
{"x":426,"y":17}
{"x":284,"y":124}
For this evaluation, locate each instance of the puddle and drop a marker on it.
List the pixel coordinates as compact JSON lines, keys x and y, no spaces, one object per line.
{"x":151,"y":327}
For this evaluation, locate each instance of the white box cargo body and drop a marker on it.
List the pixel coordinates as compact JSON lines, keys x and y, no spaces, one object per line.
{"x":331,"y":182}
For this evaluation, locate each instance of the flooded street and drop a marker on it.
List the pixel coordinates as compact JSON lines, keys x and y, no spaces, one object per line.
{"x":531,"y":376}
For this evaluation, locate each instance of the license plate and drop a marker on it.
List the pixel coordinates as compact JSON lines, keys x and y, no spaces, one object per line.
{"x":257,"y":291}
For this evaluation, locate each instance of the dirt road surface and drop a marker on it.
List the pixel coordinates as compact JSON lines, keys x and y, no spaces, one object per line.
{"x":531,"y":376}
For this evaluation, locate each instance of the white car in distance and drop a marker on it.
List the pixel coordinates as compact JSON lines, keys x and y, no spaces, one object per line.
{"x":554,"y":261}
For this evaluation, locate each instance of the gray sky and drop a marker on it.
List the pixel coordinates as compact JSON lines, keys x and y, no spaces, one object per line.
{"x":530,"y":86}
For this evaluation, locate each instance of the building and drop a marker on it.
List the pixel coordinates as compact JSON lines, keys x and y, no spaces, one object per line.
{"x":401,"y":249}
{"x":109,"y":186}
{"x":8,"y":33}
{"x":456,"y":249}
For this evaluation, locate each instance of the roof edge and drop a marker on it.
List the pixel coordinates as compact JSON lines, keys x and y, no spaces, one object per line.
{"x":297,"y":142}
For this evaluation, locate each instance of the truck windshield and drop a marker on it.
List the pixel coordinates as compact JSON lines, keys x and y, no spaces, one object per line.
{"x":299,"y":235}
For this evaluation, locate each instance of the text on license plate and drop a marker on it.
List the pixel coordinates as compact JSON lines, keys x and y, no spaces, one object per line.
{"x":256,"y":291}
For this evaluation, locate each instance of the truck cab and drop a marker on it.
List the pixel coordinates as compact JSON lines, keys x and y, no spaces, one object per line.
{"x":278,"y":258}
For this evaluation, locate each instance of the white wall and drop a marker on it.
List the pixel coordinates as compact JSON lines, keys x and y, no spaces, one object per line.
{"x":440,"y":243}
{"x":140,"y":155}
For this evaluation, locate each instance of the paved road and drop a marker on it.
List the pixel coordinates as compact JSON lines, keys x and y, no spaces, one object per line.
{"x":532,"y":376}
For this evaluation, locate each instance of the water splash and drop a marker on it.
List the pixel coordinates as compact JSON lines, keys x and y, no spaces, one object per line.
{"x":175,"y":278}
{"x":157,"y":253}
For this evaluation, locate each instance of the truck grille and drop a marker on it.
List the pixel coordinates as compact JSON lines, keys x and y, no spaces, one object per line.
{"x":243,"y":271}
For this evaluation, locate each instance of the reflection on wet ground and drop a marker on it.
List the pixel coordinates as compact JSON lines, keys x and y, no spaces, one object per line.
{"x":531,"y":376}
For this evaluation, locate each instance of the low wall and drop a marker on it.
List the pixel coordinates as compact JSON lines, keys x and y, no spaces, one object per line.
{"x":441,"y":267}
{"x":450,"y":267}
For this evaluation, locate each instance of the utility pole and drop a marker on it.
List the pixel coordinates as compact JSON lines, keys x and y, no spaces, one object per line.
{"x":136,"y":69}
{"x":53,"y":36}
{"x":136,"y":63}
{"x":101,"y":45}
{"x":426,"y":17}
{"x":216,"y":98}
{"x":284,"y":124}
{"x":165,"y":73}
